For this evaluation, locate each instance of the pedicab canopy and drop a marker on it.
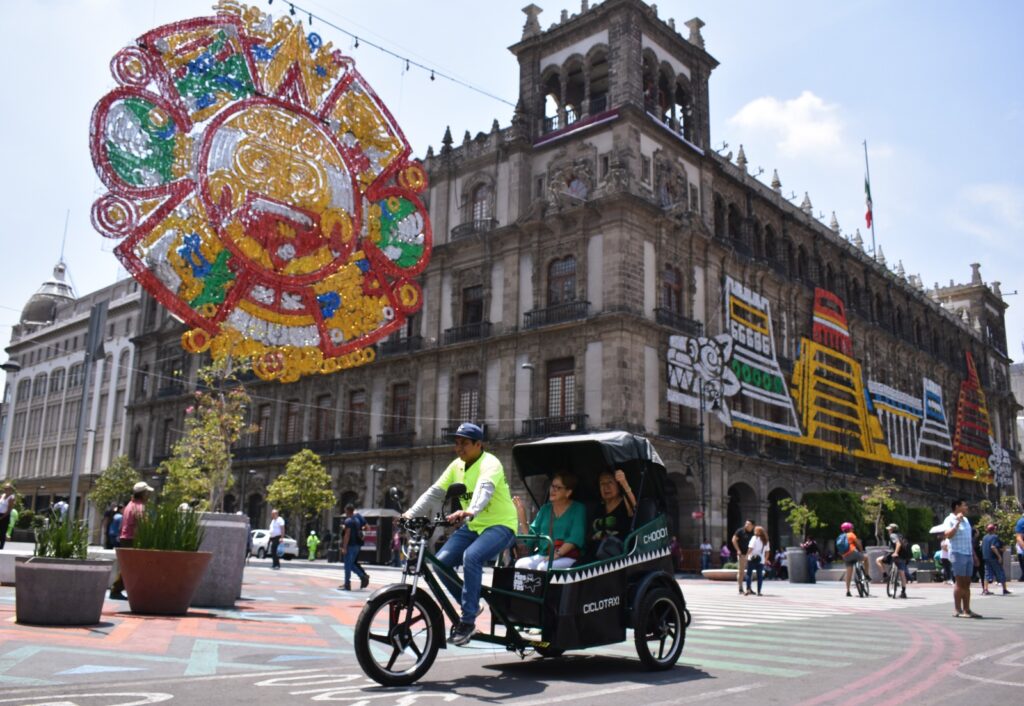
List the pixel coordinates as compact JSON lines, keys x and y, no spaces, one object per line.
{"x":588,"y":455}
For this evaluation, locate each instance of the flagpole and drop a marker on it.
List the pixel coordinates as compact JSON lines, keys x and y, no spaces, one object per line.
{"x":867,"y":174}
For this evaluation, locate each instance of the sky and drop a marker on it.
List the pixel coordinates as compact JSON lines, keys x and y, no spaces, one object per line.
{"x":932,"y":86}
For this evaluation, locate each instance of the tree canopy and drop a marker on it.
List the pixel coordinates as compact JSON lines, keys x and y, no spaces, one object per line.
{"x":304,"y":489}
{"x":114,"y":486}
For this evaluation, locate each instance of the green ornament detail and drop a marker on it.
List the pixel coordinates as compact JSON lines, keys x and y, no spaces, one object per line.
{"x":215,"y":284}
{"x":397,"y":241}
{"x":208,"y":77}
{"x":158,"y":157}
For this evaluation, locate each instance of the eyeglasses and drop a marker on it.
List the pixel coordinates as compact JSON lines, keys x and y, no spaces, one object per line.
{"x":557,"y":487}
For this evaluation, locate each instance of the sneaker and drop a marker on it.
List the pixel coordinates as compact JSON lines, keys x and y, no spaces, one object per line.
{"x":986,"y":592}
{"x":1007,"y":593}
{"x":461,"y":633}
{"x":344,"y":587}
{"x":118,"y":596}
{"x":364,"y":581}
{"x":849,"y":595}
{"x":903,"y":594}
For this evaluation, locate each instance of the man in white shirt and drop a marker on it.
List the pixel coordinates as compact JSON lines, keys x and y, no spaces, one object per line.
{"x":276,"y":535}
{"x":7,"y":499}
{"x":957,"y":529}
{"x":60,"y":509}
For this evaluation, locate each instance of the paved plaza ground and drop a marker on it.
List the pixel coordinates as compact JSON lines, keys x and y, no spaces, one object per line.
{"x":289,"y":640}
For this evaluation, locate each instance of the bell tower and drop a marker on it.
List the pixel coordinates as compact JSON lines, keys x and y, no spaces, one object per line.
{"x":616,"y":55}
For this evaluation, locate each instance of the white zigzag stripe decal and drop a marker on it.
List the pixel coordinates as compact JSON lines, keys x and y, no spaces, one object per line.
{"x":566,"y":576}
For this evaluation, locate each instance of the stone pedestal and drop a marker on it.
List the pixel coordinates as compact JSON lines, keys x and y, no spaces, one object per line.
{"x":224,"y":535}
{"x":796,"y":557}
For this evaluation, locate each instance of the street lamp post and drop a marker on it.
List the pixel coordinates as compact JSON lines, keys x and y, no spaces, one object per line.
{"x":703,"y":472}
{"x":374,"y":470}
{"x":241,"y":498}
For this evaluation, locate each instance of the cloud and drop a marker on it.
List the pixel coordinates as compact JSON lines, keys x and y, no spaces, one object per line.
{"x":804,"y":126}
{"x":993,"y":212}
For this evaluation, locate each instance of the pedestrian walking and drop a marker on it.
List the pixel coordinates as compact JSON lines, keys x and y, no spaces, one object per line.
{"x":276,"y":531}
{"x":757,"y":556}
{"x":741,"y":542}
{"x":979,"y":561}
{"x":13,"y":523}
{"x":957,"y":529}
{"x":60,"y":509}
{"x":114,"y":528}
{"x":351,"y":545}
{"x":724,"y":555}
{"x":705,"y":554}
{"x":7,"y":499}
{"x":992,"y":552}
{"x":810,"y":548}
{"x":312,"y":542}
{"x":134,"y":510}
{"x":1018,"y":537}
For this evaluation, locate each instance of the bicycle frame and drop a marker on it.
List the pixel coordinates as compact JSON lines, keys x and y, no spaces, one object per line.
{"x":422,"y":563}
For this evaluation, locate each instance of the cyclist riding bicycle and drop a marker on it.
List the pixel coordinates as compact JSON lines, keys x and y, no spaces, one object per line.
{"x":899,"y":553}
{"x":852,"y":552}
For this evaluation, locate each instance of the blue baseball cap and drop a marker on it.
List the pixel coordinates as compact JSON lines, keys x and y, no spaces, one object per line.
{"x":468,"y":430}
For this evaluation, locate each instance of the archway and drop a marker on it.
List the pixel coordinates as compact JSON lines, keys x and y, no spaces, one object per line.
{"x":742,"y":507}
{"x":229,"y":503}
{"x":779,"y":533}
{"x":255,"y":509}
{"x":681,"y":500}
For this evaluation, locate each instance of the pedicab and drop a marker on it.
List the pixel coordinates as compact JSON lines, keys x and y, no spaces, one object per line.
{"x":546,"y":613}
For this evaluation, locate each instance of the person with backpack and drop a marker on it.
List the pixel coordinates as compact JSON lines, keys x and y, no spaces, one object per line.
{"x":899,"y":554}
{"x":850,"y":549}
{"x":351,"y":544}
{"x":992,"y":552}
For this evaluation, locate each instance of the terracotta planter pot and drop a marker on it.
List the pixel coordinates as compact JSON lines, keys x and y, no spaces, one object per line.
{"x":42,"y":587}
{"x":161,"y":582}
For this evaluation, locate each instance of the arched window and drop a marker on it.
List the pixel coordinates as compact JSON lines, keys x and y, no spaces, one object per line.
{"x":57,"y":381}
{"x":39,"y":386}
{"x":483,"y":203}
{"x":719,"y":217}
{"x":122,"y":365}
{"x":769,"y":244}
{"x":672,"y":289}
{"x":562,"y":281}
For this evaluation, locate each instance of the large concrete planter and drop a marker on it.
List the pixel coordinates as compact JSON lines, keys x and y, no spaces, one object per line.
{"x":796,"y":558}
{"x":720,"y":574}
{"x":224,"y":536}
{"x":60,"y":591}
{"x":874,"y":573}
{"x":161,"y":582}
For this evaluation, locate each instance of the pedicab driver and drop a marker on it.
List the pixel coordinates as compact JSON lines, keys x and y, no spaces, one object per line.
{"x":487,"y":514}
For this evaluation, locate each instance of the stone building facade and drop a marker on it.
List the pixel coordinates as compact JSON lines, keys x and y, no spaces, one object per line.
{"x":596,"y":266}
{"x":44,"y":395}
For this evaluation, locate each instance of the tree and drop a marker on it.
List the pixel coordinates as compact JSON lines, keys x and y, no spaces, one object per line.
{"x":878,"y":499}
{"x":303,"y":490}
{"x":834,"y":507}
{"x":184,"y":483}
{"x":1003,"y":515}
{"x":799,"y":517}
{"x":114,"y":486}
{"x":202,"y":456}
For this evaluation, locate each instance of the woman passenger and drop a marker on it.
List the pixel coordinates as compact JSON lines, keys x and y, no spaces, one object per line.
{"x":614,"y":515}
{"x":562,"y":518}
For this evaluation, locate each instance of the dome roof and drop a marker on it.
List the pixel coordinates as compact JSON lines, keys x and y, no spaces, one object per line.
{"x":41,"y":307}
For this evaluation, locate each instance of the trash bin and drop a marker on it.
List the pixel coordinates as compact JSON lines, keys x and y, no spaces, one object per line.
{"x":797,"y":561}
{"x":332,"y":554}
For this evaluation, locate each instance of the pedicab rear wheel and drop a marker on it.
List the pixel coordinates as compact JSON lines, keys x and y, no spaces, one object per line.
{"x":659,"y":628}
{"x":397,"y":638}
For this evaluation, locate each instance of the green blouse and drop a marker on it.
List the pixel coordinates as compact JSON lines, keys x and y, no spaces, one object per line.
{"x":570,"y":527}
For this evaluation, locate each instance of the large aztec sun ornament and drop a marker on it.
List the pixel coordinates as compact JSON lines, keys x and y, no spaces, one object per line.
{"x":261,"y":192}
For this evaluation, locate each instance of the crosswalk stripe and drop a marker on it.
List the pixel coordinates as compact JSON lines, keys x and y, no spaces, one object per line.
{"x":782,"y":642}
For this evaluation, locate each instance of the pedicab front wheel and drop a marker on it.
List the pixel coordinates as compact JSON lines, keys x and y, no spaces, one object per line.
{"x":397,"y":637}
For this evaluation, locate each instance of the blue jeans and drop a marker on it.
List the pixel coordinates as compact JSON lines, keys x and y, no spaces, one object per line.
{"x":705,"y":561}
{"x":757,"y":566}
{"x":470,"y":550}
{"x":812,"y":567}
{"x":995,"y":572}
{"x":352,"y":564}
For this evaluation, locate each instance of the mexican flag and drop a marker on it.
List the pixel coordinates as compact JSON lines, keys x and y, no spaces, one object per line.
{"x":867,"y":200}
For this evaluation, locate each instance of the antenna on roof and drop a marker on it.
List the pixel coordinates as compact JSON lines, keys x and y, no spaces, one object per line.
{"x":64,"y":240}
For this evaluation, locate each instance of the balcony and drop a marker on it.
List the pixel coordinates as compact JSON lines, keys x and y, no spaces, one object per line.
{"x":397,"y":346}
{"x":395,"y":439}
{"x":674,"y":320}
{"x":468,"y":332}
{"x":479,"y":225}
{"x":559,"y":313}
{"x":676,"y":430}
{"x":324,"y":447}
{"x":778,"y":450}
{"x":171,"y":390}
{"x":546,"y":426}
{"x":598,"y":104}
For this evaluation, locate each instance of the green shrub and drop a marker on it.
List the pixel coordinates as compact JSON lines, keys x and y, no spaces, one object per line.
{"x":730,"y":565}
{"x":919,"y":521}
{"x":62,"y":539}
{"x":835,"y":507}
{"x":166,"y":527}
{"x":25,"y":519}
{"x":898,"y":514}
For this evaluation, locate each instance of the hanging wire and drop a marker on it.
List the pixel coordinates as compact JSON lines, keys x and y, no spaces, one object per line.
{"x":434,"y":73}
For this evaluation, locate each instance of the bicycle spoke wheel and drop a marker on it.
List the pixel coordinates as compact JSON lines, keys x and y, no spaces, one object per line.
{"x":396,"y":639}
{"x":660,"y":629}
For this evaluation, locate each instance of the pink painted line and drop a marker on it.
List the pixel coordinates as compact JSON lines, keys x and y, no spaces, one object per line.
{"x":950,"y":648}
